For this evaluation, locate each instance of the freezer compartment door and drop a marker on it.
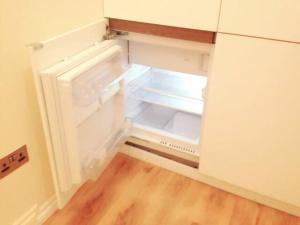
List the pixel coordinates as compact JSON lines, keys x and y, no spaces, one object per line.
{"x":87,"y":104}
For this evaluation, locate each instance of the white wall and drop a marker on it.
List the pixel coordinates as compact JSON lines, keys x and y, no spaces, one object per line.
{"x":22,"y":22}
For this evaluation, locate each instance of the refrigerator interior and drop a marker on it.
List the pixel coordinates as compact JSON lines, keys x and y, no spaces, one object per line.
{"x":165,"y":102}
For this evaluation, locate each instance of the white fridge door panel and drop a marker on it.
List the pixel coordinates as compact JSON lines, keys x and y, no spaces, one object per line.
{"x":60,"y":157}
{"x":88,"y":106}
{"x":51,"y":59}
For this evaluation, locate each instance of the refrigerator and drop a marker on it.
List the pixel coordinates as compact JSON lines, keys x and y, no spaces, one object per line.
{"x":97,"y":95}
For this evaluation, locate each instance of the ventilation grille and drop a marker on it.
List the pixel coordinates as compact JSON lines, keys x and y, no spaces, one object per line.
{"x":173,"y":146}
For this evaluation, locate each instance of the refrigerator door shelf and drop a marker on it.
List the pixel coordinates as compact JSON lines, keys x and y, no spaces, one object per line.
{"x":88,"y":102}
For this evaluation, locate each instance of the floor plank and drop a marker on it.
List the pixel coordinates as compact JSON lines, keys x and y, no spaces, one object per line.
{"x":132,"y":192}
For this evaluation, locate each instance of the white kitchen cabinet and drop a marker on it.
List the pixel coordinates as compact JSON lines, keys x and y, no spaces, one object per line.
{"x":252,"y":123}
{"x":194,"y":14}
{"x":269,"y":19}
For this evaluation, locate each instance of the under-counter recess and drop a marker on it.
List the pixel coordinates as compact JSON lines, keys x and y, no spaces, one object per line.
{"x":268,"y":19}
{"x":99,"y":92}
{"x":193,"y":14}
{"x":95,"y":94}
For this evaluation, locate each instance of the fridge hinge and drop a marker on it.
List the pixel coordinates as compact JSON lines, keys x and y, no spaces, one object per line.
{"x":113,"y":34}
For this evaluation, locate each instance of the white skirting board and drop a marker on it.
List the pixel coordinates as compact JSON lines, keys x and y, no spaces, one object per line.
{"x":196,"y":175}
{"x":46,"y":210}
{"x":28,"y":218}
{"x":38,"y":214}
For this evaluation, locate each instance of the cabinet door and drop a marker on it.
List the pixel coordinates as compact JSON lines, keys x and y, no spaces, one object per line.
{"x":252,"y":124}
{"x":269,"y":19}
{"x":194,"y":14}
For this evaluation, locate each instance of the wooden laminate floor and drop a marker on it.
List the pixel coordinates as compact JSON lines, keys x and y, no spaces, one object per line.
{"x":132,"y":192}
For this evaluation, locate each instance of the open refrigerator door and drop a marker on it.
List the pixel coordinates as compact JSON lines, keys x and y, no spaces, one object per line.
{"x":87,"y":102}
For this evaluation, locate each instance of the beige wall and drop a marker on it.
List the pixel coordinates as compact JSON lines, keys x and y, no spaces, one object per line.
{"x":22,"y":22}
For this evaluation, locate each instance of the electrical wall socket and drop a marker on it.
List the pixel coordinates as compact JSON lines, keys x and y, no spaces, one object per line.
{"x":13,"y":161}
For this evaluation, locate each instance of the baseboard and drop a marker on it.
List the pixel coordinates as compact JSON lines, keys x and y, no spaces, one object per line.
{"x":46,"y":210}
{"x":196,"y":175}
{"x":38,"y":214}
{"x":28,"y":218}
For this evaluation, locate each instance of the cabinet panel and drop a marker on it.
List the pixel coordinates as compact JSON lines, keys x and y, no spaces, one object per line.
{"x":194,"y":14}
{"x":268,"y":18}
{"x":251,"y":121}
